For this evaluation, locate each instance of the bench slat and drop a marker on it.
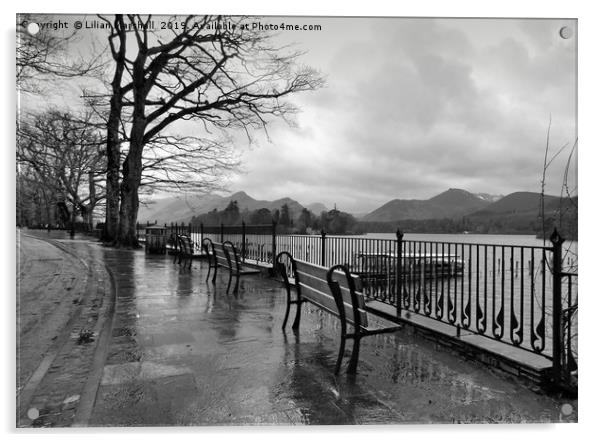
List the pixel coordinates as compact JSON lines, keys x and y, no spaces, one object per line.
{"x":237,"y":267}
{"x":320,"y":272}
{"x":322,"y":285}
{"x":221,"y":258}
{"x":327,"y":302}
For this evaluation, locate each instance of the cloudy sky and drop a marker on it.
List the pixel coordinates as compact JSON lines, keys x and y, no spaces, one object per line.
{"x":413,"y":107}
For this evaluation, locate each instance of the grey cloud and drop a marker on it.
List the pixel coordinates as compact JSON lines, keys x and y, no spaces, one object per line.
{"x":420,"y":107}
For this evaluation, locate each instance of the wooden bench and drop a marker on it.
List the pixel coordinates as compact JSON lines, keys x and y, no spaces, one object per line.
{"x":226,"y":255}
{"x":208,"y":248}
{"x":335,"y":290}
{"x":184,"y":250}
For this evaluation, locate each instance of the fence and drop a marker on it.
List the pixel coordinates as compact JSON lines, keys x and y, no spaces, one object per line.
{"x":514,"y":294}
{"x":255,"y":242}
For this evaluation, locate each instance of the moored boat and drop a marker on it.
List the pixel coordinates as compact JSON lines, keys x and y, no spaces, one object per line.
{"x":383,"y":265}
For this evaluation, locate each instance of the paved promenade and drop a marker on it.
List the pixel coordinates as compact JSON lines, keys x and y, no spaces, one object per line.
{"x":170,"y":349}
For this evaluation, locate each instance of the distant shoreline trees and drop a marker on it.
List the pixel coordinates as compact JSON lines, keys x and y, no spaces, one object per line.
{"x":336,"y":222}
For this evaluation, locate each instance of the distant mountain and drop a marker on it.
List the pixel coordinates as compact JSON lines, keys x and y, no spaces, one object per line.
{"x":316,"y":208}
{"x":177,"y":208}
{"x":245,"y":202}
{"x":452,"y":203}
{"x":489,"y":198}
{"x":183,"y":208}
{"x":401,"y":209}
{"x":457,"y":202}
{"x":520,"y":203}
{"x":521,"y":212}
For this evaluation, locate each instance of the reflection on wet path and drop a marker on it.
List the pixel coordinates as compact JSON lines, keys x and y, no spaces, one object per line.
{"x":183,"y":352}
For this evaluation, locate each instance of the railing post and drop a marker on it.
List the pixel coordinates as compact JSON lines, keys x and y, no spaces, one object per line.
{"x":221,"y":232}
{"x":557,"y":343}
{"x":201,"y":233}
{"x":398,"y":278}
{"x":274,"y":247}
{"x":165,"y":237}
{"x":190,"y":230}
{"x":243,"y":247}
{"x":323,"y":242}
{"x":171,"y":233}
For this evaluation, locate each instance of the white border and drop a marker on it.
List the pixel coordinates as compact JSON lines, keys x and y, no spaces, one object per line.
{"x":590,"y":122}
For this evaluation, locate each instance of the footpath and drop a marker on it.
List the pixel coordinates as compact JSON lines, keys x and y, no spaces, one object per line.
{"x":64,"y":300}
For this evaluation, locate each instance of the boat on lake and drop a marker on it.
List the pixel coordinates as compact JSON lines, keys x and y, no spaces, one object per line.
{"x":372,"y":266}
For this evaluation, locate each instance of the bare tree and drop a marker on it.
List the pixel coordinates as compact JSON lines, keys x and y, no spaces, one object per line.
{"x":186,"y":163}
{"x":206,"y":71}
{"x":45,"y":56}
{"x":60,"y":158}
{"x":564,"y":220}
{"x":565,"y":212}
{"x":117,"y":44}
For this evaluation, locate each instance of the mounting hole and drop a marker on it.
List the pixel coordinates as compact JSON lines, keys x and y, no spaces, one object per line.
{"x":33,"y":413}
{"x":33,"y":28}
{"x":566,"y":32}
{"x":566,"y":409}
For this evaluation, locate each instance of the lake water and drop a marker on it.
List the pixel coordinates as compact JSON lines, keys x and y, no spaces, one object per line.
{"x":570,"y":247}
{"x":470,"y":238}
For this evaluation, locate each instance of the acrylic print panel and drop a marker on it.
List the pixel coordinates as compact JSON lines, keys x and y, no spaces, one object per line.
{"x":165,"y":164}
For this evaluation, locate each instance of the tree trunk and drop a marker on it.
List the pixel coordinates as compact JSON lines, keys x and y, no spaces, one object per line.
{"x":132,"y":166}
{"x":111,"y":226}
{"x":128,"y":211}
{"x":113,"y":151}
{"x":90,"y":208}
{"x":72,"y":227}
{"x":132,"y":174}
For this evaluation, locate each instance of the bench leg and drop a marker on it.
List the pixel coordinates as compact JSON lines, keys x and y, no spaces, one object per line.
{"x":288,"y":306}
{"x":236,"y":285}
{"x":229,"y":283}
{"x":352,"y":367}
{"x":341,"y":352}
{"x":298,"y":313}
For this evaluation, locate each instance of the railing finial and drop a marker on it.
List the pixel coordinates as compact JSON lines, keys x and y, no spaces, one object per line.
{"x":555,"y":237}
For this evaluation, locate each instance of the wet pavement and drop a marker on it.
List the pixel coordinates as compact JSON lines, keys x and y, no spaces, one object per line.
{"x":64,"y":295}
{"x":48,"y":281}
{"x":183,"y":352}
